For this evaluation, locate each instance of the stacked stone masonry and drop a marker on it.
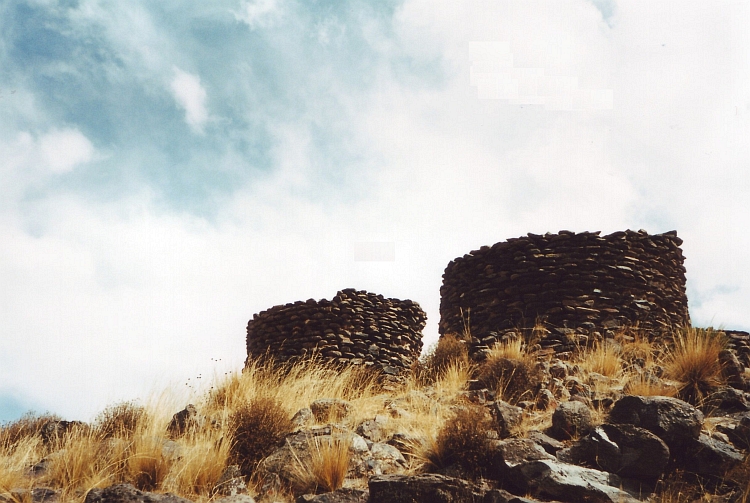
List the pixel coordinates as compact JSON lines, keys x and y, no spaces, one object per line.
{"x":355,"y":327}
{"x":579,"y":285}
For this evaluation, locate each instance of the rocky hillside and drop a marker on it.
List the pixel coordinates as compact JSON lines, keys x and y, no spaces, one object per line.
{"x":623,"y":421}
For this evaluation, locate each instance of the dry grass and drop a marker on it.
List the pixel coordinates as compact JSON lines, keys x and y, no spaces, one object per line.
{"x":449,"y":351}
{"x":694,"y":362}
{"x":513,"y":348}
{"x":603,"y":359}
{"x":14,"y":461}
{"x":326,"y":467}
{"x":641,"y":385}
{"x":200,"y":465}
{"x":257,"y":427}
{"x":511,"y":379}
{"x":463,"y":440}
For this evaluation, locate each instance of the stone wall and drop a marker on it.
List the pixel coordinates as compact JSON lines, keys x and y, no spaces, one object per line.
{"x":583,"y":283}
{"x":355,"y":327}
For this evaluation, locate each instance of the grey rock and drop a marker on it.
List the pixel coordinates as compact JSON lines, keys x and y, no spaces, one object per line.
{"x":508,"y":454}
{"x":184,"y":421}
{"x":373,"y":429}
{"x":548,"y":443}
{"x":727,"y":399}
{"x":507,"y":417}
{"x":708,"y":457}
{"x":231,"y":482}
{"x":571,"y":419}
{"x":552,"y":479}
{"x":303,"y":418}
{"x":624,"y":449}
{"x":126,"y":493}
{"x":670,"y":419}
{"x":737,"y":429}
{"x":236,"y":498}
{"x":343,"y":495}
{"x":732,"y":369}
{"x":424,"y":488}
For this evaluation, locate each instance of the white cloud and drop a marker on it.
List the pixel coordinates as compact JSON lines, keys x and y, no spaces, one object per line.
{"x":62,"y":150}
{"x":259,"y":13}
{"x":190,"y":95}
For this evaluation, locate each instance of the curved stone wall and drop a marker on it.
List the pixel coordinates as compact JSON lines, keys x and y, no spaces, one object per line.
{"x":583,"y":283}
{"x":355,"y":327}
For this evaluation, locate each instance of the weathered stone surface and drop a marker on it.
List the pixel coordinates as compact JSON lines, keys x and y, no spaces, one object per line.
{"x":236,"y":498}
{"x":548,"y":443}
{"x":708,"y":457}
{"x":373,"y":429}
{"x":737,"y":429}
{"x":732,"y":369}
{"x":425,"y":488}
{"x":624,"y":449}
{"x":126,"y":493}
{"x":583,"y":283}
{"x":508,"y":454}
{"x":502,"y":496}
{"x":231,"y":482}
{"x":184,"y":421}
{"x":552,"y":479}
{"x":727,"y":399}
{"x":303,"y":418}
{"x":354,"y":328}
{"x":330,"y":409}
{"x":384,"y":459}
{"x":343,"y":495}
{"x":570,"y":419}
{"x":507,"y":417}
{"x":670,"y":419}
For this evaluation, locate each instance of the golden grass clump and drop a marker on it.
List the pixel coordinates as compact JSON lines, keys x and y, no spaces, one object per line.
{"x":642,"y":385}
{"x":603,"y":359}
{"x":694,"y":362}
{"x":326,"y":467}
{"x":450,"y":351}
{"x":120,"y":419}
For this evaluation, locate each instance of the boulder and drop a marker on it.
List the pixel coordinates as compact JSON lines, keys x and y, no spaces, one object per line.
{"x":330,"y":409}
{"x":384,"y":458}
{"x":231,"y":482}
{"x":670,"y":419}
{"x":507,"y":417}
{"x":570,"y":419}
{"x":184,"y":421}
{"x":624,"y":449}
{"x":709,"y":457}
{"x":236,"y":498}
{"x":570,"y":483}
{"x":737,"y":429}
{"x":727,"y":399}
{"x":732,"y":369}
{"x":303,"y":418}
{"x":373,"y":429}
{"x":343,"y":495}
{"x":508,"y":454}
{"x":126,"y":493}
{"x":423,"y":488}
{"x":502,"y":496}
{"x":548,"y":443}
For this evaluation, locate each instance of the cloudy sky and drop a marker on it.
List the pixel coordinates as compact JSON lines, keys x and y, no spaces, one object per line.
{"x":169,"y":168}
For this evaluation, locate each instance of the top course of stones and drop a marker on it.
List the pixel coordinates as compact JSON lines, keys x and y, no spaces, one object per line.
{"x":583,"y":283}
{"x":355,"y":327}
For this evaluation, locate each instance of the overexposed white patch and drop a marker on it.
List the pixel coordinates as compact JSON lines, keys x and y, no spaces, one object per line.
{"x":62,"y":150}
{"x":190,"y":95}
{"x":258,"y":13}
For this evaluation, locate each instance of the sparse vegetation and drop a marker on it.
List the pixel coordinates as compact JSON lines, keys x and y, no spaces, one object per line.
{"x":464,"y":441}
{"x":246,"y":416}
{"x":694,"y":363}
{"x":257,"y":427}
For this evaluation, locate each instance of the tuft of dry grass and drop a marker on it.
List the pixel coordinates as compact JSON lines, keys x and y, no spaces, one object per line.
{"x":694,"y":362}
{"x":512,"y":379}
{"x":450,"y":351}
{"x":200,"y":465}
{"x":257,"y":427}
{"x":14,"y":461}
{"x":326,"y":467}
{"x":463,"y":440}
{"x":513,"y":348}
{"x":119,"y":420}
{"x":641,"y":385}
{"x":603,"y":359}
